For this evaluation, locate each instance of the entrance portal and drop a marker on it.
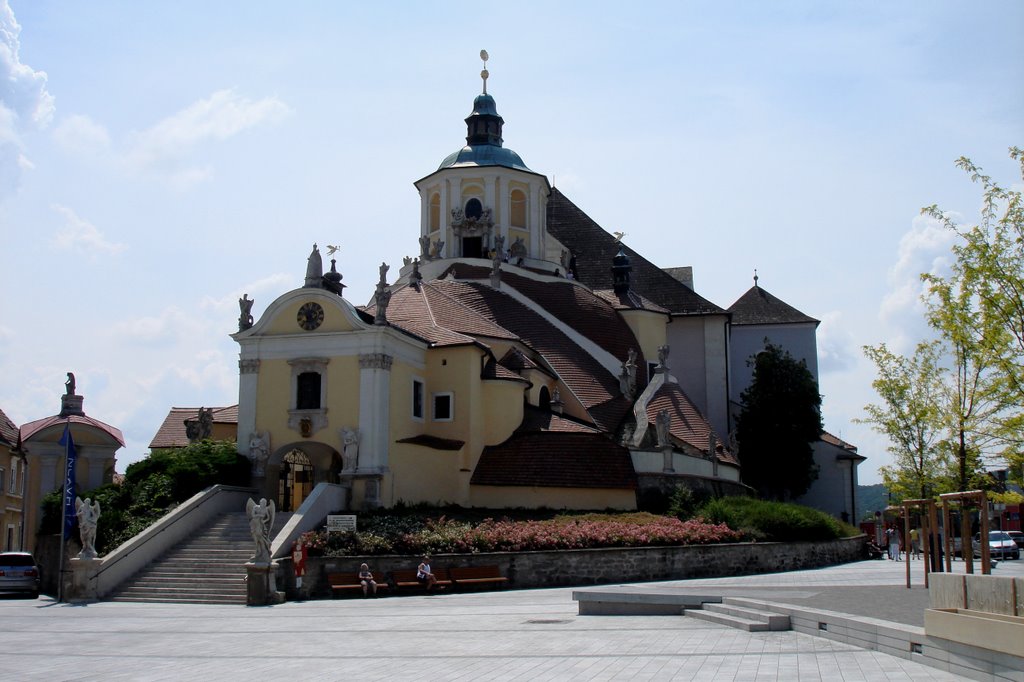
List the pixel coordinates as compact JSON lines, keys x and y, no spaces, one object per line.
{"x":295,"y":481}
{"x":472,"y":247}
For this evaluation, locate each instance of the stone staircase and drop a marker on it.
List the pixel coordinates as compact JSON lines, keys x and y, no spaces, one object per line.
{"x":741,"y":617}
{"x":208,"y":568}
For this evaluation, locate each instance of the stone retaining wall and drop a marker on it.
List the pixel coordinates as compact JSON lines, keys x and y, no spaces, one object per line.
{"x":598,"y":566}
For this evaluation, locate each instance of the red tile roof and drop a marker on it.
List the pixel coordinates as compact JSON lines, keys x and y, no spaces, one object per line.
{"x":757,"y":306}
{"x":595,"y":248}
{"x":629,"y":301}
{"x":536,"y":419}
{"x":556,"y":459}
{"x":171,"y":433}
{"x":496,"y":371}
{"x":688,"y":425}
{"x":32,"y":428}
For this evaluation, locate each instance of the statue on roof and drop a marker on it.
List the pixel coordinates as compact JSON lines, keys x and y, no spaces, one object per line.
{"x":627,"y":377}
{"x":518,"y":248}
{"x":70,"y":383}
{"x":245,"y":312}
{"x":424,"y":246}
{"x":436,"y":248}
{"x":314,"y":269}
{"x":662,"y":359}
{"x":663,"y":425}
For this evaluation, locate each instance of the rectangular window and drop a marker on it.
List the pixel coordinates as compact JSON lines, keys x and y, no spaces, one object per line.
{"x":1,"y":480}
{"x":14,"y":477}
{"x":417,"y":399}
{"x":443,"y":407}
{"x":308,"y":394}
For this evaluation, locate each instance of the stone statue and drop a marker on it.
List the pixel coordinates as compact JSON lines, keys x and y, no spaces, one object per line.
{"x":383,"y":269}
{"x":314,"y":268}
{"x":415,"y":277}
{"x":205,"y":423}
{"x":424,"y":246}
{"x":259,"y":451}
{"x":458,"y":217}
{"x":662,"y":424}
{"x":350,"y":449}
{"x":88,"y":513}
{"x":663,"y":358}
{"x":436,"y":248}
{"x":381,"y":297}
{"x":192,"y":429}
{"x":485,"y":217}
{"x":70,"y":383}
{"x":261,"y":521}
{"x":627,"y":435}
{"x":627,"y":378}
{"x":245,"y":316}
{"x":406,"y":260}
{"x":518,"y":248}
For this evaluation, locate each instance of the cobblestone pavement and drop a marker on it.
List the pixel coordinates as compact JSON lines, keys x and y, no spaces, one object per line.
{"x":509,"y":635}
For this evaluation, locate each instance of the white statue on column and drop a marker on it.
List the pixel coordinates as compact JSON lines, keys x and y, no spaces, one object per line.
{"x":88,"y":513}
{"x":350,"y":449}
{"x":261,"y":521}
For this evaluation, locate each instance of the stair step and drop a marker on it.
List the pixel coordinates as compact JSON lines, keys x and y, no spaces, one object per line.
{"x":725,"y":619}
{"x":165,"y":600}
{"x":776,"y":622}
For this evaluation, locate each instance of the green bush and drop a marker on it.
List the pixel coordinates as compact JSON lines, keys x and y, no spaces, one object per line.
{"x":759,"y":520}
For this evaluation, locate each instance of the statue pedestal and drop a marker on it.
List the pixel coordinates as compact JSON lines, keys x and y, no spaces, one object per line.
{"x":83,"y":583}
{"x":667,"y":467}
{"x":261,"y":584}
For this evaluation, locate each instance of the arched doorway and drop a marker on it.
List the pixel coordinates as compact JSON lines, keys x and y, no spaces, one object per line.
{"x":295,"y":480}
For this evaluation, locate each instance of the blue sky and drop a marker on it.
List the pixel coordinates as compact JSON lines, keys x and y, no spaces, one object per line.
{"x":157,"y":160}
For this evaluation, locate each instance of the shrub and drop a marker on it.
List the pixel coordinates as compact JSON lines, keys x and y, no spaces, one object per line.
{"x":773,"y":521}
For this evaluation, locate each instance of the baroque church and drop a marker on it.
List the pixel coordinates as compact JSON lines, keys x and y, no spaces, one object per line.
{"x":525,"y":358}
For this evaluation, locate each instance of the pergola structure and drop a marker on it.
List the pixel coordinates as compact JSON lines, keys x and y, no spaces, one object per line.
{"x":930,"y":537}
{"x":964,"y":499}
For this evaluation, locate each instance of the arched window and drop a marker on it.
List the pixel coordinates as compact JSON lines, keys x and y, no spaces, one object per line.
{"x":474,"y":209}
{"x":544,"y":399}
{"x":435,"y":212}
{"x":518,"y":216}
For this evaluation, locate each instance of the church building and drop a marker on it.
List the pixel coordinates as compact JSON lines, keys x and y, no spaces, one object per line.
{"x":525,"y":358}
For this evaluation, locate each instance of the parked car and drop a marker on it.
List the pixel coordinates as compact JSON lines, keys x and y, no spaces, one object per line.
{"x":19,"y":573}
{"x":1000,"y":545}
{"x":1017,"y":536}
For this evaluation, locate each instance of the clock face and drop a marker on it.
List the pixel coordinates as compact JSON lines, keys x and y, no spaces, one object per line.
{"x":311,"y":315}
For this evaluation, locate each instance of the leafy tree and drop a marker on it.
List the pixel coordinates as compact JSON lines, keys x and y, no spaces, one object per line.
{"x":979,"y":311}
{"x":780,"y":418}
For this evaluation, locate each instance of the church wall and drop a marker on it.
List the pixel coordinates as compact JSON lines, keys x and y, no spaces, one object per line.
{"x":422,"y":474}
{"x":716,"y":368}
{"x":495,"y":497}
{"x":747,"y":340}
{"x":650,"y":330}
{"x":502,"y":411}
{"x":285,"y":321}
{"x":832,"y":491}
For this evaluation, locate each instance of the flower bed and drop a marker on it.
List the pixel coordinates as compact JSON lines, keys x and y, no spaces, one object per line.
{"x":413,"y":534}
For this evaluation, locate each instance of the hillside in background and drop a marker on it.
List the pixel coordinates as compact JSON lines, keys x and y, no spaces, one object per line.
{"x":871,"y":498}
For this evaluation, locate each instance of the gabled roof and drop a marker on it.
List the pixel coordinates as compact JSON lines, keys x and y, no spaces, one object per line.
{"x":32,"y":428}
{"x":688,"y":425}
{"x":757,"y":306}
{"x":594,"y":249}
{"x":850,"y":451}
{"x":536,"y":419}
{"x":494,"y":370}
{"x":8,"y":431}
{"x":556,"y":459}
{"x":171,"y":433}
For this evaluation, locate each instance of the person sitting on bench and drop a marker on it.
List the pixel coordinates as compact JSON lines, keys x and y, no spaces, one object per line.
{"x":425,"y":575}
{"x":367,"y":581}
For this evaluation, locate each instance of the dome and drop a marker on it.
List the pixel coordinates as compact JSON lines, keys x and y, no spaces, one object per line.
{"x":484,"y":155}
{"x":483,"y":140}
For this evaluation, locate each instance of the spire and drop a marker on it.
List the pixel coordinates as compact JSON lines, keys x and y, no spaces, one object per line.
{"x":620,"y":272}
{"x":483,"y":127}
{"x":755,"y":277}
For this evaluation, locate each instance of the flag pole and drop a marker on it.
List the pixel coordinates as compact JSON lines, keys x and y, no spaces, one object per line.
{"x":63,"y":511}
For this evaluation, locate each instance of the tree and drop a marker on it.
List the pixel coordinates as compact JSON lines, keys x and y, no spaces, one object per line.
{"x":910,"y":416}
{"x":780,"y":418}
{"x":979,"y":311}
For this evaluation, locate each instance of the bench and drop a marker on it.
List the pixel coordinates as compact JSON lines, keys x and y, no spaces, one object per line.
{"x":477,"y":575}
{"x":407,"y":578}
{"x":342,"y":582}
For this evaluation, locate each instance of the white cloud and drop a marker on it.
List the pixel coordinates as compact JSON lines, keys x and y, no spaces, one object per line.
{"x":25,"y":104}
{"x":168,"y":145}
{"x":79,"y":234}
{"x":274,"y":283}
{"x":81,"y":134}
{"x":837,"y":351}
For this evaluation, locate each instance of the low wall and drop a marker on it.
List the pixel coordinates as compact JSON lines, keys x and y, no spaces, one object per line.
{"x":598,"y":566}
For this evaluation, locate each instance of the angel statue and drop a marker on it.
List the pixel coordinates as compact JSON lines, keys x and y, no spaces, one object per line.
{"x":261,"y":520}
{"x":88,"y":513}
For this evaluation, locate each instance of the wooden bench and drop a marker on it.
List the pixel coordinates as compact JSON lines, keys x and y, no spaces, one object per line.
{"x":343,"y":582}
{"x":407,"y":578}
{"x":477,"y":575}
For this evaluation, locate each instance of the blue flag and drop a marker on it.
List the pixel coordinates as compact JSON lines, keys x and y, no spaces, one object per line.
{"x":69,"y":480}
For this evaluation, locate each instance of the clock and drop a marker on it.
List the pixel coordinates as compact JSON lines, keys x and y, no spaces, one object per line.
{"x":310,"y":316}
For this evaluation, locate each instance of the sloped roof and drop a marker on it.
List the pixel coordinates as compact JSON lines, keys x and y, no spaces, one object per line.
{"x":589,"y":381}
{"x":8,"y":431}
{"x":688,"y":425}
{"x":629,"y":300}
{"x":171,"y":433}
{"x":536,"y":419}
{"x":757,"y":306}
{"x":850,"y":451}
{"x":32,"y":428}
{"x":494,"y":370}
{"x":556,"y":459}
{"x":595,"y":248}
{"x":428,"y":313}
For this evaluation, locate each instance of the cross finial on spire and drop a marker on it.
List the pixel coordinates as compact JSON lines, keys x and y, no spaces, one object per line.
{"x":484,"y":74}
{"x":755,"y":277}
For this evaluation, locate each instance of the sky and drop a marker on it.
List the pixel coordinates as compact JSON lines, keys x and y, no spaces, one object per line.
{"x":158,"y":160}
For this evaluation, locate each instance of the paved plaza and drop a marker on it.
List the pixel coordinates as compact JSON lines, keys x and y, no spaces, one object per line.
{"x":508,"y":635}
